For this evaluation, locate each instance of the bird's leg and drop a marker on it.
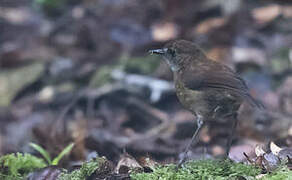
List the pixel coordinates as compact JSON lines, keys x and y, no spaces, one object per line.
{"x":200,"y":123}
{"x":233,"y":128}
{"x":215,"y":111}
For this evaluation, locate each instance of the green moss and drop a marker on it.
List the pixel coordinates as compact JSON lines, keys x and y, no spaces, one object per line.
{"x":140,"y":65}
{"x":282,"y":173}
{"x":13,"y":80}
{"x":134,"y":65}
{"x":205,"y":169}
{"x":86,"y":170}
{"x":16,"y":166}
{"x":51,"y":8}
{"x":279,"y":61}
{"x":101,"y":76}
{"x":50,"y":3}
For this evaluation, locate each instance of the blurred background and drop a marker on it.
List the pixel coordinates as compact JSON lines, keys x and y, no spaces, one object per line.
{"x":79,"y":71}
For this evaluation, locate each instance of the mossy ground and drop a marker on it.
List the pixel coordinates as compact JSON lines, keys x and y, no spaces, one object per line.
{"x":211,"y":170}
{"x":85,"y":171}
{"x":282,"y":173}
{"x":17,"y":166}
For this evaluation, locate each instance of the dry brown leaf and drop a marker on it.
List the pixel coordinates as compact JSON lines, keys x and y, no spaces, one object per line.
{"x":275,"y":149}
{"x":260,"y":176}
{"x":164,"y":31}
{"x":266,"y":14}
{"x":287,"y":11}
{"x":259,"y":150}
{"x":15,"y":15}
{"x":147,"y":162}
{"x":218,"y":53}
{"x":290,"y":131}
{"x":209,"y":24}
{"x":127,"y":163}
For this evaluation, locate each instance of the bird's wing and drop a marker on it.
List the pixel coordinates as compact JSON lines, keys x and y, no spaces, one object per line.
{"x":217,"y":77}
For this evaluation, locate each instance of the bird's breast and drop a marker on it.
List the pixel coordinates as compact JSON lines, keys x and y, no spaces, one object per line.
{"x":190,"y":99}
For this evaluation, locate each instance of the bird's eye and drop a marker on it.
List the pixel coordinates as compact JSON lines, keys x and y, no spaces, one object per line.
{"x":171,"y":52}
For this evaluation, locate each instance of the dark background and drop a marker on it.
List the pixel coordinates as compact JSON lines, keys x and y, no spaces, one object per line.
{"x":68,"y":73}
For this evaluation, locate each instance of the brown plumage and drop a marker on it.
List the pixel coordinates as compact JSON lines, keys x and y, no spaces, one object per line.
{"x":209,"y":89}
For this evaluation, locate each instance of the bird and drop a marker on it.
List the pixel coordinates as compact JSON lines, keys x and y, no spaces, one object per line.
{"x":207,"y":88}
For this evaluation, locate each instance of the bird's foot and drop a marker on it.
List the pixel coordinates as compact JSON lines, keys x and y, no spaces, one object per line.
{"x":183,"y":159}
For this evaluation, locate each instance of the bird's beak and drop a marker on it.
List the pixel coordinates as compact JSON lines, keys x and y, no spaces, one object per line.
{"x":158,"y":51}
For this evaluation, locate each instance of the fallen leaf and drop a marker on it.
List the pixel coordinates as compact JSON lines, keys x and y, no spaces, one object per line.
{"x":275,"y":149}
{"x":259,"y":150}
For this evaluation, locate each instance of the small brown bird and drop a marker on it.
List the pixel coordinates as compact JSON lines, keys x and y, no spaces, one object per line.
{"x":207,"y":88}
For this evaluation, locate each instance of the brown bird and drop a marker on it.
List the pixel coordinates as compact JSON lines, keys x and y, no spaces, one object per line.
{"x":207,"y":88}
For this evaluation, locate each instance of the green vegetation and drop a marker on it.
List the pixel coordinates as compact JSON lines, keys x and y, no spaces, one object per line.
{"x":13,"y":80}
{"x":50,"y":3}
{"x":16,"y":166}
{"x":132,"y":65}
{"x":205,"y":169}
{"x":51,"y":7}
{"x":85,"y":171}
{"x":282,"y":173}
{"x":140,"y":65}
{"x":280,"y":61}
{"x":46,"y":155}
{"x":101,"y":76}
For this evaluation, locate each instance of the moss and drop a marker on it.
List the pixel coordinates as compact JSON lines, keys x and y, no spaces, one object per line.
{"x":17,"y":166}
{"x":205,"y":169}
{"x":282,"y":173}
{"x":101,"y":76}
{"x":85,"y":171}
{"x":50,"y":3}
{"x":51,"y":8}
{"x":280,"y":60}
{"x":13,"y":80}
{"x":141,"y":65}
{"x":132,"y":65}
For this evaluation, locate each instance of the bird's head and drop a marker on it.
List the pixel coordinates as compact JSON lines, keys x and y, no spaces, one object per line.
{"x":177,"y":52}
